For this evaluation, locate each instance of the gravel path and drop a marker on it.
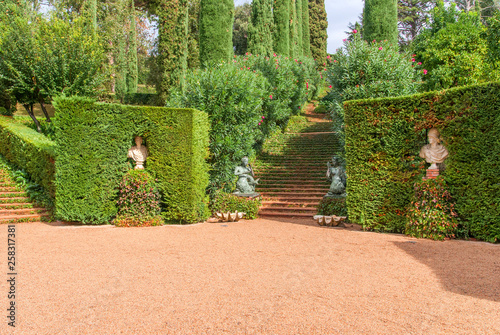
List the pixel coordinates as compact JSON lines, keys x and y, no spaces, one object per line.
{"x":249,"y":277}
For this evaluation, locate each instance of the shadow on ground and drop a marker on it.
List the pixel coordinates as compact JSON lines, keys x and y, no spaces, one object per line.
{"x":465,"y":268}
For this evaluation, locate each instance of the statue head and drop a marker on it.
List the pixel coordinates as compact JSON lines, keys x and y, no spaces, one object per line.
{"x":138,"y":140}
{"x":335,"y":161}
{"x":244,"y":161}
{"x":433,"y":136}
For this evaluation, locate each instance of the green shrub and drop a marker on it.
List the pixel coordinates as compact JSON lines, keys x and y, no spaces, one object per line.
{"x":332,"y":206}
{"x":30,"y":151}
{"x":138,"y":200}
{"x":431,"y":213}
{"x":362,"y":70}
{"x":383,"y":140}
{"x":141,"y":99}
{"x":93,"y":140}
{"x":227,"y":202}
{"x":233,"y":99}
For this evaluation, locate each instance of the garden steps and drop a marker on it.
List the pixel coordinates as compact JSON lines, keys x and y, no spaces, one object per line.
{"x":292,"y":173}
{"x":15,"y":205}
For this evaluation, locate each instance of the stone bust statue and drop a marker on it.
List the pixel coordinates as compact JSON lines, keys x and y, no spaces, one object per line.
{"x":434,"y":152}
{"x":336,"y":174}
{"x":245,"y":186}
{"x":138,"y":153}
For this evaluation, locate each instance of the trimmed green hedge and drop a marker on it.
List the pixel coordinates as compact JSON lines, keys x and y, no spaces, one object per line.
{"x":29,"y":150}
{"x":141,"y":99}
{"x":93,"y":141}
{"x":383,"y":140}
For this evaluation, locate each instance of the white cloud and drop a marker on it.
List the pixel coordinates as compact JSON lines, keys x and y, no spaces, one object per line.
{"x":339,"y":14}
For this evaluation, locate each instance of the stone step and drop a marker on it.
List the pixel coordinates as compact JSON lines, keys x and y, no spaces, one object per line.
{"x":309,"y":184}
{"x":289,"y":209}
{"x":285,"y":214}
{"x":288,"y":204}
{"x":16,"y":205}
{"x":12,"y":194}
{"x":13,"y":200}
{"x":292,"y":194}
{"x":22,"y":218}
{"x":289,"y":189}
{"x":6,"y":189}
{"x":21,"y":211}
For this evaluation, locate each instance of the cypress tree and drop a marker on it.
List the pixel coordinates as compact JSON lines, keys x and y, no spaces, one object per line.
{"x":172,"y":45}
{"x":216,"y":31}
{"x":317,"y":28}
{"x":260,"y":39}
{"x":380,"y":20}
{"x":293,"y":29}
{"x":121,"y":55}
{"x":132,"y":74}
{"x":300,"y":46}
{"x":281,"y":36}
{"x":306,"y":38}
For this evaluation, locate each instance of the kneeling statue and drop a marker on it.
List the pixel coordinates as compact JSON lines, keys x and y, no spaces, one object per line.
{"x":245,"y":186}
{"x":336,"y":174}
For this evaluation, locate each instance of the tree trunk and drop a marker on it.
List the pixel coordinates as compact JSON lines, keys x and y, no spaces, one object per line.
{"x":44,"y":111}
{"x":29,"y":109}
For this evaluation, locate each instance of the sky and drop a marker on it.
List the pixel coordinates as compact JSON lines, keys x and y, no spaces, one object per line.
{"x":339,"y":14}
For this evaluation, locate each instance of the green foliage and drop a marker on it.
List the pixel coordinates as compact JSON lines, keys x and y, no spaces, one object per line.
{"x":380,"y":20}
{"x":138,"y":200}
{"x":413,"y":16}
{"x":453,"y":52}
{"x":431,"y":213}
{"x":298,"y":23}
{"x":383,"y":140}
{"x":30,"y":151}
{"x":317,"y":28}
{"x":226,"y":202}
{"x":242,"y":17}
{"x":141,"y":99}
{"x":193,"y":58}
{"x":93,"y":140}
{"x":172,"y":45}
{"x":216,"y":31}
{"x":281,"y":37}
{"x":493,"y":39}
{"x":260,"y":39}
{"x":132,"y":71}
{"x":306,"y":36}
{"x":332,"y":206}
{"x":362,"y":70}
{"x":294,"y":40}
{"x":233,"y":99}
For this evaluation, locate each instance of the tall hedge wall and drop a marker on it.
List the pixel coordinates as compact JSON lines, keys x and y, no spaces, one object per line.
{"x":93,"y":140}
{"x":383,"y":140}
{"x":29,"y":150}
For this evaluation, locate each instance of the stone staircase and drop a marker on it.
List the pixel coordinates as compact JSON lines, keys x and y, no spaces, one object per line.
{"x":292,"y":170}
{"x":15,"y":205}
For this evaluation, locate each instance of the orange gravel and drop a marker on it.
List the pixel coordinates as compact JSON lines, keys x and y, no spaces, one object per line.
{"x":249,"y":277}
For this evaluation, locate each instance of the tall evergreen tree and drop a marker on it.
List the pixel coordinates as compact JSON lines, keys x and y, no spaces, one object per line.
{"x":300,"y":45}
{"x":281,"y":38}
{"x":317,"y":28}
{"x":293,"y":29}
{"x":172,"y":45}
{"x":380,"y":20}
{"x":193,"y":58}
{"x":216,"y":31}
{"x":242,"y":17}
{"x":132,"y":74}
{"x":121,"y":54}
{"x":306,"y":36}
{"x":260,"y":39}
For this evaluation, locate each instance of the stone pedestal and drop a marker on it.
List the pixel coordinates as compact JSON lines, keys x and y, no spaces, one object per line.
{"x":431,"y":174}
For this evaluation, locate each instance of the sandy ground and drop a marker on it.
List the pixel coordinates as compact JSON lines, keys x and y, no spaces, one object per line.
{"x":250,"y":277}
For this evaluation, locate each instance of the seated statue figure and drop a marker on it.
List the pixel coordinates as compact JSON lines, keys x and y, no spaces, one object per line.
{"x":434,"y":152}
{"x":245,"y":186}
{"x":138,"y":153}
{"x":336,"y":174}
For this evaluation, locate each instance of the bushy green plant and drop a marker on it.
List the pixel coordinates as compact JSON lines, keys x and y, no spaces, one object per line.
{"x":332,"y":206}
{"x":362,"y":70}
{"x":138,"y":200}
{"x":453,"y":51}
{"x":224,"y":202}
{"x":233,"y":99}
{"x":431,"y":214}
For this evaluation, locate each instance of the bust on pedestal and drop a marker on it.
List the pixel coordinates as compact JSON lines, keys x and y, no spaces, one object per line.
{"x":138,"y":153}
{"x":433,"y":153}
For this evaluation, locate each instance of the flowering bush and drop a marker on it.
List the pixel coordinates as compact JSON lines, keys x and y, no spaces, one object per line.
{"x":431,"y":213}
{"x":361,"y":70}
{"x":139,"y":201}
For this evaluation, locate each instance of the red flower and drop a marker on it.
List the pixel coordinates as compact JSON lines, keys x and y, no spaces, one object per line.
{"x":354,"y":31}
{"x":425,"y":71}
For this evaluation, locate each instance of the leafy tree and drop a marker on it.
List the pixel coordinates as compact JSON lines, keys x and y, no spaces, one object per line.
{"x":132,"y":71}
{"x":412,"y":16}
{"x":298,"y":23}
{"x":380,"y":20}
{"x":281,"y":38}
{"x":453,"y":51}
{"x":42,"y":59}
{"x":242,"y":16}
{"x":216,"y":31}
{"x":193,"y":60}
{"x":493,"y":40}
{"x":317,"y":27}
{"x":306,"y":36}
{"x":260,"y":39}
{"x":172,"y":45}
